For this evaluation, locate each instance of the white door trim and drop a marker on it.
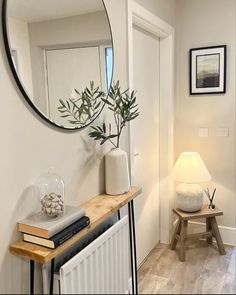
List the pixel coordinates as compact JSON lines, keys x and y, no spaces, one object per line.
{"x":145,"y":20}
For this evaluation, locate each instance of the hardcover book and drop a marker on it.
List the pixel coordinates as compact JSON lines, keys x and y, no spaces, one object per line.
{"x":60,"y":237}
{"x":42,"y":226}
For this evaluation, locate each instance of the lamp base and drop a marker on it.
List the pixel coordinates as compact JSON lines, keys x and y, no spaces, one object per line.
{"x":189,"y":197}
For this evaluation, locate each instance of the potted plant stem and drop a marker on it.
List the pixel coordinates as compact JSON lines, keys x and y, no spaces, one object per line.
{"x":124,"y":108}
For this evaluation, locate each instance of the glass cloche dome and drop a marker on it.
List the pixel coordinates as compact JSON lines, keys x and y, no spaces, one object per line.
{"x":51,"y":189}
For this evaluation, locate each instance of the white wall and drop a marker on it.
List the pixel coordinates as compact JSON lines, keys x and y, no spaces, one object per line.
{"x":204,"y":23}
{"x":19,"y":39}
{"x":165,"y":9}
{"x":29,"y":146}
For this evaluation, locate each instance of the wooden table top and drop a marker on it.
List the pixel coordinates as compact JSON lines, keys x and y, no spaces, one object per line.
{"x":203,"y":213}
{"x":98,"y":209}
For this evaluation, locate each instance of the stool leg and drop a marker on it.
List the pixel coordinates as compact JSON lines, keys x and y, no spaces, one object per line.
{"x":208,"y":228}
{"x":183,"y":234}
{"x":217,"y":235}
{"x":176,"y":232}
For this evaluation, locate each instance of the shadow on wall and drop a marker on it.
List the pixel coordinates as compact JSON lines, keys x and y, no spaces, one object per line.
{"x":90,"y":155}
{"x":10,"y":265}
{"x":26,"y":205}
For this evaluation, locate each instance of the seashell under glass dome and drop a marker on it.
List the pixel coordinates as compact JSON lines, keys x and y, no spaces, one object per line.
{"x":51,"y":189}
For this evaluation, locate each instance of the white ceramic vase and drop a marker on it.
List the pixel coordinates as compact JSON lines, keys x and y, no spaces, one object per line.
{"x":117,"y":172}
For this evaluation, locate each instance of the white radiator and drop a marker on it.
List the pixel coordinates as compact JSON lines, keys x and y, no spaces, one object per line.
{"x":102,"y":267}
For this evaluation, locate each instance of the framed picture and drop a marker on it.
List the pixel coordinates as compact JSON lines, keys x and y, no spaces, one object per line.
{"x":208,"y":70}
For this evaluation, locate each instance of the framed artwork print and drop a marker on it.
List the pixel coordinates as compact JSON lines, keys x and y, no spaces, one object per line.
{"x":208,"y":70}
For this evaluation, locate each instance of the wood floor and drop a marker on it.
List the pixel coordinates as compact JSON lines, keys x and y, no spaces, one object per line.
{"x":203,"y":272}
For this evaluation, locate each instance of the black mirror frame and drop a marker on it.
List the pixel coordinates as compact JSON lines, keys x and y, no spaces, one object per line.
{"x":19,"y":83}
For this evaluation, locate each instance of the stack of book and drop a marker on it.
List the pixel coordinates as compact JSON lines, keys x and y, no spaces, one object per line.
{"x":52,"y":232}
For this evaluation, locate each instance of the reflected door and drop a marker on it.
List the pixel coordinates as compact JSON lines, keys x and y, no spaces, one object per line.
{"x":145,"y":140}
{"x":69,"y":69}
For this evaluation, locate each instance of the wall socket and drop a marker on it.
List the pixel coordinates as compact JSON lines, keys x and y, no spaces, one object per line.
{"x":203,"y":132}
{"x":222,"y":132}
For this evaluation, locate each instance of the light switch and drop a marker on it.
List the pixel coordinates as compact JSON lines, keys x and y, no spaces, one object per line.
{"x":222,"y":132}
{"x":203,"y":132}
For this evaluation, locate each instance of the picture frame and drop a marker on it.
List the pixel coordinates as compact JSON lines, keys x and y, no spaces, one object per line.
{"x":208,"y":70}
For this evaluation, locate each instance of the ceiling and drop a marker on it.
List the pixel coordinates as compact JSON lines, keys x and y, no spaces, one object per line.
{"x":41,"y":10}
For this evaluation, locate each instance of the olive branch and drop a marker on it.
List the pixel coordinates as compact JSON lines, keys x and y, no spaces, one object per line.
{"x":84,"y":108}
{"x":125,"y":109}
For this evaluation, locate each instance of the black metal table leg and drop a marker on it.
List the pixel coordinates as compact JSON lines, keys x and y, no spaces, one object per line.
{"x":134,"y":245}
{"x":131,"y":246}
{"x":118,"y":214}
{"x":52,"y":275}
{"x":133,"y":255}
{"x":32,"y":276}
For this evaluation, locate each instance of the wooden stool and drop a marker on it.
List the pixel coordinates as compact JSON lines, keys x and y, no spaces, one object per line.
{"x":212,"y":229}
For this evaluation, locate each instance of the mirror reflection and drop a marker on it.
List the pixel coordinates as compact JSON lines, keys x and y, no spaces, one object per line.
{"x":58,"y":48}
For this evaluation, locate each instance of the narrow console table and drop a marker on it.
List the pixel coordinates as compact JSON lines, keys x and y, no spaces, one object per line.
{"x":98,"y":209}
{"x":212,"y":229}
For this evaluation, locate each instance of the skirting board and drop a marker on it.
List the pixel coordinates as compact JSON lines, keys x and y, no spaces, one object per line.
{"x":228,"y":234}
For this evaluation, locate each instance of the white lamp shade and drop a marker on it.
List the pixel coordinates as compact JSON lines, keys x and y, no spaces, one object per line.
{"x":189,"y":168}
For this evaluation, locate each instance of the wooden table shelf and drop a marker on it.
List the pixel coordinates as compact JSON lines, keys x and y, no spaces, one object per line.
{"x":98,"y":209}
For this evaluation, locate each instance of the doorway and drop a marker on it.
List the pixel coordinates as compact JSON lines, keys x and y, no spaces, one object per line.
{"x":145,"y":132}
{"x":152,"y":75}
{"x":91,"y":63}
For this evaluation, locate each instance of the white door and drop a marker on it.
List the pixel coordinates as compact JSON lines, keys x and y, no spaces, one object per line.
{"x":68,"y":69}
{"x":145,"y":140}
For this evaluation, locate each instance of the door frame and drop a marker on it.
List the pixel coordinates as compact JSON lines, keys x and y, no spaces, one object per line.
{"x":142,"y":18}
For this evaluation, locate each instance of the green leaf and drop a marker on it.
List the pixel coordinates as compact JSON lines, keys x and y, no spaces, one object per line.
{"x":94,"y":134}
{"x":106,"y":101}
{"x":111,"y":109}
{"x":62,"y":102}
{"x":94,"y":128}
{"x":62,"y":111}
{"x":98,"y":105}
{"x":104,"y":127}
{"x":91,"y":84}
{"x":111,"y":136}
{"x":68,"y":105}
{"x":132,"y":117}
{"x":73,"y":122}
{"x":87,"y":91}
{"x":100,"y":94}
{"x":77,"y":92}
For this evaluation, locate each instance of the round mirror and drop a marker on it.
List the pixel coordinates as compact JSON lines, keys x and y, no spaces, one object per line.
{"x":61,"y":55}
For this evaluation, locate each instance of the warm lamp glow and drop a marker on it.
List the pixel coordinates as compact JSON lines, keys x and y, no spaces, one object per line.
{"x":189,"y":168}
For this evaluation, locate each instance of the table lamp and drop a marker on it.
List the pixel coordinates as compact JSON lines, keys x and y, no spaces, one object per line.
{"x":190,"y":170}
